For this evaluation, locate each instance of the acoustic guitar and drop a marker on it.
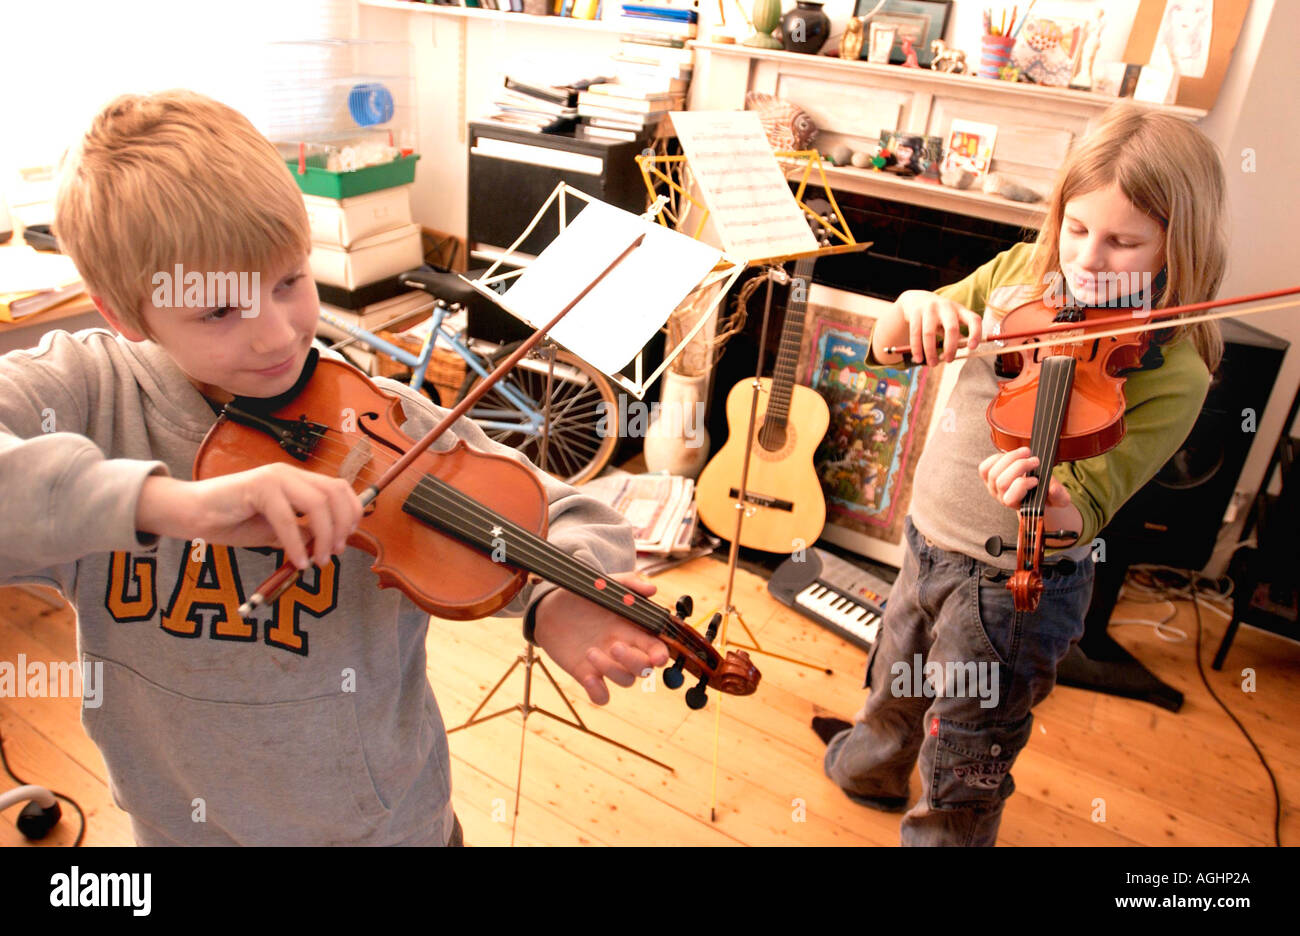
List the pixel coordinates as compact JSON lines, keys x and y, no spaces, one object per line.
{"x":785,"y":505}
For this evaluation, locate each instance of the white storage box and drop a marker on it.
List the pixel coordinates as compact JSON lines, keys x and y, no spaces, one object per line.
{"x":367,"y":261}
{"x":341,"y":222}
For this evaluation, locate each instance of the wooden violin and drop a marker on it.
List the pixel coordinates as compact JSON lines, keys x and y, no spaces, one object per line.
{"x":442,"y":524}
{"x":1065,"y":401}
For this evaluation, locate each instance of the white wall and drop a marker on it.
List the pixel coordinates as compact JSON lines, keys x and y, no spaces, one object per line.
{"x":1257,"y":118}
{"x":65,"y":60}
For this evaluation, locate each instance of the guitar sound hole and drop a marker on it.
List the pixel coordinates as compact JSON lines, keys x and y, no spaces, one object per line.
{"x":772,"y":437}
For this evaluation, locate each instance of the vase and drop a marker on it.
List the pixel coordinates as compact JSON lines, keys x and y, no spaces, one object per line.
{"x":805,"y":28}
{"x":676,"y":440}
{"x":767,"y":15}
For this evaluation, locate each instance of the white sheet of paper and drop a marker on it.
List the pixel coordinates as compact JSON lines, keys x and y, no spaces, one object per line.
{"x":622,"y":313}
{"x":744,"y":188}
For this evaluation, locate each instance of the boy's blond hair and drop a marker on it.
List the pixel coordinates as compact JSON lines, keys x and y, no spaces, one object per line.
{"x":169,"y":178}
{"x":1171,"y":172}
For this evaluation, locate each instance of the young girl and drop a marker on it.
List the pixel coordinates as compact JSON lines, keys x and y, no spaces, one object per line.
{"x":1142,"y":196}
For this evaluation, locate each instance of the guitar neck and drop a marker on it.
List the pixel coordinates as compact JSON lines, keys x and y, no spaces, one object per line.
{"x":787,"y":358}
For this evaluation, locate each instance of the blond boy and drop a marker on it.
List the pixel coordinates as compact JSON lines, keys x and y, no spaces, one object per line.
{"x":312,"y":721}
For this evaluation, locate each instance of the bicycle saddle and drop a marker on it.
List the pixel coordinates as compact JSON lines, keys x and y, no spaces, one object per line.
{"x":446,"y":286}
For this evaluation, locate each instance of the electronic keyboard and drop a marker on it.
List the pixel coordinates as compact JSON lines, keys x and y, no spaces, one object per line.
{"x":834,"y":593}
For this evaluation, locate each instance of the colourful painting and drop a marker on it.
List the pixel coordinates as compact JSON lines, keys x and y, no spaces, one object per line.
{"x":879,"y":417}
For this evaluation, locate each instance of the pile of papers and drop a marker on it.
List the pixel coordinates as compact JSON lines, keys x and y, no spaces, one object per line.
{"x":32,"y":282}
{"x":660,"y":507}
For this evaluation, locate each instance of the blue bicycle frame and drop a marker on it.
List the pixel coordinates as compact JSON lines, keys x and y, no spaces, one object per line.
{"x":528,"y":415}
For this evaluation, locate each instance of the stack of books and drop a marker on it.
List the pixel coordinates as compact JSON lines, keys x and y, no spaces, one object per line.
{"x":578,"y":9}
{"x":652,"y":74}
{"x":676,"y":17}
{"x":535,"y":107}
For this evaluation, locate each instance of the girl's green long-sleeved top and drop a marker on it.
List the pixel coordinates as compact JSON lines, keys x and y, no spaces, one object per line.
{"x":950,"y":505}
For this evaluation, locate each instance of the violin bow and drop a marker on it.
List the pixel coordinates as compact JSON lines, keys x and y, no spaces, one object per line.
{"x":1148,"y":322}
{"x":283,"y":577}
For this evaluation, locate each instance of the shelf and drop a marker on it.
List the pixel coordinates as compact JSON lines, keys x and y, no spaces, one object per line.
{"x":615,"y":25}
{"x":938,"y":82}
{"x":970,"y":201}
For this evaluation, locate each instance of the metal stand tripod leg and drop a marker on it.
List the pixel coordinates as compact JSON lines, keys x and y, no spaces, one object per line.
{"x":529,"y":659}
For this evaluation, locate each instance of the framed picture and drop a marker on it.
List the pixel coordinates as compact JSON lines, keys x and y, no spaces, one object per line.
{"x":1199,"y":36}
{"x":970,"y":146}
{"x":879,"y":422}
{"x":922,"y":21}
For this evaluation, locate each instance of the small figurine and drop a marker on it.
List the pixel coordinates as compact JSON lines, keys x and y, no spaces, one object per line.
{"x":851,"y":41}
{"x":909,"y":53}
{"x":944,"y":59}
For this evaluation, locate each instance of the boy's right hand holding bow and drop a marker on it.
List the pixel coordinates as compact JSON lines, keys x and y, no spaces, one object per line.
{"x":254,"y":508}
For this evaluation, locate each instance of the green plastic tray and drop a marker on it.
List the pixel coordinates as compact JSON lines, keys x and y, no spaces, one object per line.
{"x":322,"y":182}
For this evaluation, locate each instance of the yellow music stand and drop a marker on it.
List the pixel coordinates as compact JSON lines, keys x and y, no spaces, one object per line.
{"x":657,"y":171}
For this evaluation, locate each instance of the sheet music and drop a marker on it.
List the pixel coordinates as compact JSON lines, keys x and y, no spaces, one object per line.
{"x":744,"y":188}
{"x":624,"y":311}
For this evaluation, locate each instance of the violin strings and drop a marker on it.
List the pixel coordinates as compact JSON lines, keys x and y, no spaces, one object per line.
{"x":583,"y":576}
{"x":578,"y":577}
{"x":1049,"y":414}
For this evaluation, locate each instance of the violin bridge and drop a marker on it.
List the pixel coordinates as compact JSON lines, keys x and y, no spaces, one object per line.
{"x":356,"y":459}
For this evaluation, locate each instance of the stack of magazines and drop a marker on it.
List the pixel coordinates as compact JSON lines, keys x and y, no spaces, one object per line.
{"x":660,"y":507}
{"x":535,"y":107}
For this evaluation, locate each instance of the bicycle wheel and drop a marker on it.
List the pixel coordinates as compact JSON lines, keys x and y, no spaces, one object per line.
{"x":585,"y":418}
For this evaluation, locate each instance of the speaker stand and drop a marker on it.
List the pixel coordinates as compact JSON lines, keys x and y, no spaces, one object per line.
{"x":1099,"y":663}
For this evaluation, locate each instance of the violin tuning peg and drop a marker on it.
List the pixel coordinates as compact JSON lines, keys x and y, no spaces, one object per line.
{"x":1062,"y":535}
{"x":696,"y":697}
{"x":712,"y":630}
{"x":685,"y":606}
{"x":994,"y":546}
{"x":673,"y":677}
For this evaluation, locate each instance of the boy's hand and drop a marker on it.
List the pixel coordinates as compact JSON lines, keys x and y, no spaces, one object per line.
{"x":592,"y":644}
{"x":255,"y":508}
{"x":1005,"y":476}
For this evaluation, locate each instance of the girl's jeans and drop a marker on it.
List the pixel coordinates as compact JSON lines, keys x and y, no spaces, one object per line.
{"x":953,"y":680}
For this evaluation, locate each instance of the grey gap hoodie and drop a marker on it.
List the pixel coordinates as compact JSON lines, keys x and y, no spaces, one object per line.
{"x":312,"y":722}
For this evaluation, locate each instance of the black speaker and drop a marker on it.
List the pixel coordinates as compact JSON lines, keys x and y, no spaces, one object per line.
{"x":1174,"y":520}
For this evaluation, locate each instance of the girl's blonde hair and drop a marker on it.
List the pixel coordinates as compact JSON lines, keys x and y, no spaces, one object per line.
{"x":168,"y":178}
{"x":1171,"y":172}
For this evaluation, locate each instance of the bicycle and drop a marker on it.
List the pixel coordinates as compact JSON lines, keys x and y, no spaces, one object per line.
{"x":584,"y":412}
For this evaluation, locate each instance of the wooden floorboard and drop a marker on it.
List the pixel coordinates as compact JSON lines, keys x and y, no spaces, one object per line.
{"x":1098,"y":770}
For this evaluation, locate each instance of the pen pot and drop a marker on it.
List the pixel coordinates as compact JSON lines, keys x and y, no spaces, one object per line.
{"x":995,"y":53}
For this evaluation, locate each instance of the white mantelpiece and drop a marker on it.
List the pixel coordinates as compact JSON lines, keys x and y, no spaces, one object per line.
{"x":851,"y":101}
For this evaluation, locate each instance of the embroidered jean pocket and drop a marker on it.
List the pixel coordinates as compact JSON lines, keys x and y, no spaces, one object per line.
{"x":972,"y":763}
